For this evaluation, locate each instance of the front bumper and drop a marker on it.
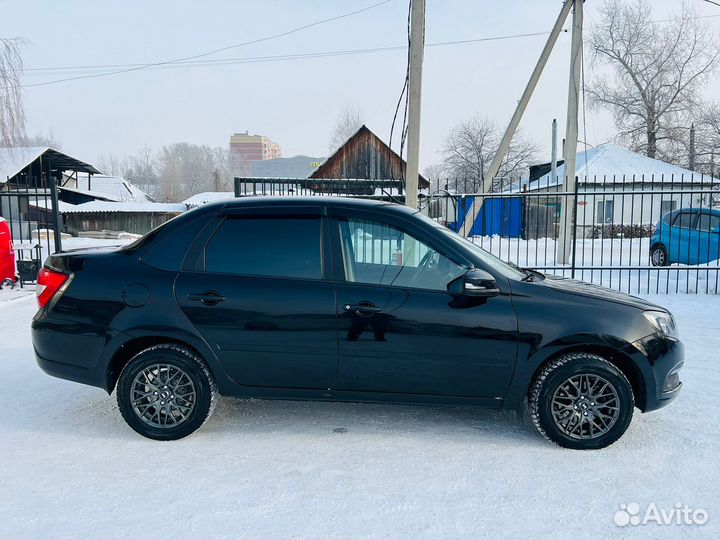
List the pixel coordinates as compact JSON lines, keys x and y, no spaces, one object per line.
{"x":665,"y":357}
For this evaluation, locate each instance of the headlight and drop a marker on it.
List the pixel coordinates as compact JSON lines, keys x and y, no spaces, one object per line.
{"x":663,"y":322}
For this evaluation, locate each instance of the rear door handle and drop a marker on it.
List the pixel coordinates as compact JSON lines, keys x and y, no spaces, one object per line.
{"x":209,"y":298}
{"x":363,"y":308}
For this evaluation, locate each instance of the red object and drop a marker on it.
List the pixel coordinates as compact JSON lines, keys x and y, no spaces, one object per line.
{"x":8,"y":269}
{"x":49,"y":282}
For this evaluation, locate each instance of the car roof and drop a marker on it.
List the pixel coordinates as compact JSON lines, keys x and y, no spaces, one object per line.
{"x":320,"y":200}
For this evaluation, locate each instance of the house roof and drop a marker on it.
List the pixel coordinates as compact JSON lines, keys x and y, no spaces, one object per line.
{"x":292,"y":167}
{"x":113,"y":187}
{"x":609,"y":163}
{"x":13,"y":160}
{"x":207,"y":197}
{"x":364,"y":155}
{"x":124,"y":207}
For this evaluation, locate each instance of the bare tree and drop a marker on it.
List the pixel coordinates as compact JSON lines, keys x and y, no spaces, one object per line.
{"x":470,"y":148}
{"x":12,"y":113}
{"x":657,"y":72}
{"x":436,"y":175}
{"x":348,"y":122}
{"x":707,"y":140}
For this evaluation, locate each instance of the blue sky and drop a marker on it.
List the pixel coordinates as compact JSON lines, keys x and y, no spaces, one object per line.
{"x":293,"y":102}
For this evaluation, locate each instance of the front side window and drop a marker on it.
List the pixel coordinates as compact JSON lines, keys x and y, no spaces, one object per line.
{"x":685,"y":220}
{"x":273,"y":247}
{"x":380,"y":254}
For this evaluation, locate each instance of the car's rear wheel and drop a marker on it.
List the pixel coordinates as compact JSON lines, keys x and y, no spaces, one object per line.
{"x":659,"y":255}
{"x":581,"y":401}
{"x":166,"y":392}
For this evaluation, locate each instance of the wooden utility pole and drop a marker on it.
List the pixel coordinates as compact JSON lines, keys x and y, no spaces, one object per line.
{"x":553,"y":154}
{"x":417,"y":44}
{"x":563,"y":246}
{"x":515,"y":121}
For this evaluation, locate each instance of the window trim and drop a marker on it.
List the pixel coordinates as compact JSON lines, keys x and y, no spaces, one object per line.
{"x":693,"y":226}
{"x":403,"y":226}
{"x":710,"y":215}
{"x":198,"y":262}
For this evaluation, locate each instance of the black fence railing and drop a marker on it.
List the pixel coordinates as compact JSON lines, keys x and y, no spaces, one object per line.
{"x":633,"y":233}
{"x":31,"y":211}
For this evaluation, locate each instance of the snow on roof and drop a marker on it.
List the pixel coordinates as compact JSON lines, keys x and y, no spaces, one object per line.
{"x":614,"y":163}
{"x":14,"y":160}
{"x":46,"y":204}
{"x":95,"y":194}
{"x":207,"y":197}
{"x":115,"y":187}
{"x":141,"y":207}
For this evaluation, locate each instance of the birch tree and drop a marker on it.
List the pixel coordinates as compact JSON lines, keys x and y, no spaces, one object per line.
{"x":12,"y":113}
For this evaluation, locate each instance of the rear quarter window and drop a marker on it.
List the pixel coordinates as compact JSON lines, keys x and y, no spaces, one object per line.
{"x":170,"y":243}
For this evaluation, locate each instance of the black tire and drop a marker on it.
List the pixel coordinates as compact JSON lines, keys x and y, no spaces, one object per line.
{"x":659,"y":255}
{"x":565,"y":419}
{"x":186,"y":375}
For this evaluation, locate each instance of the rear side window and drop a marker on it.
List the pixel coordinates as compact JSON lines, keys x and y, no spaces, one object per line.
{"x":274,"y":247}
{"x":685,"y":220}
{"x":709,"y":223}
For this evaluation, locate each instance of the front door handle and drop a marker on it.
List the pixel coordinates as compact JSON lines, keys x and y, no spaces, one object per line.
{"x":363,"y":308}
{"x":209,"y":298}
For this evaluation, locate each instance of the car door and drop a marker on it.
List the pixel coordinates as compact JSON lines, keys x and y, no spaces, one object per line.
{"x":399,"y":330}
{"x":708,"y":226}
{"x":683,"y":238}
{"x":259,"y":290}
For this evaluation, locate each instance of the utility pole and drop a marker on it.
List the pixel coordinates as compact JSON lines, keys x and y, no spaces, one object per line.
{"x":515,"y":121}
{"x":417,"y":44}
{"x":553,"y":163}
{"x":692,"y":147}
{"x":563,"y":246}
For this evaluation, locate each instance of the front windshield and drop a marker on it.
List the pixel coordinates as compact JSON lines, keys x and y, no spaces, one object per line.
{"x":488,"y":259}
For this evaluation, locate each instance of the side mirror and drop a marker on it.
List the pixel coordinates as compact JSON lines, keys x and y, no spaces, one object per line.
{"x":476,"y":283}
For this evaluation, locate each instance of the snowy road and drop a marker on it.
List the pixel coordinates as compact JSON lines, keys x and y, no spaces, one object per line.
{"x":70,"y":468}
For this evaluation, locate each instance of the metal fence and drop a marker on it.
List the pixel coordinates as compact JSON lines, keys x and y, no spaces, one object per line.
{"x":32,"y":212}
{"x":612,"y":233}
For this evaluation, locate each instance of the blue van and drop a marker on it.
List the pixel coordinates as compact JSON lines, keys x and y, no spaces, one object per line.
{"x":686,"y":236}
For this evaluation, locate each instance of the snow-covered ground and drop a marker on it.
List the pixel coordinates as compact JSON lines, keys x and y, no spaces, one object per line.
{"x":70,"y":468}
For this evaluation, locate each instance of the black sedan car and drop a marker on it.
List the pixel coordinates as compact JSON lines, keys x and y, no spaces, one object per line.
{"x":338,"y":299}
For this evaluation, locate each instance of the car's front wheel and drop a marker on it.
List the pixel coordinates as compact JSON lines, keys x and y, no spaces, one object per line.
{"x":166,"y":392}
{"x":659,"y":255}
{"x":581,"y":401}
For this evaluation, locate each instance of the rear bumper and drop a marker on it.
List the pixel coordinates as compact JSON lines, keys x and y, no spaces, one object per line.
{"x":70,"y":372}
{"x":69,"y":351}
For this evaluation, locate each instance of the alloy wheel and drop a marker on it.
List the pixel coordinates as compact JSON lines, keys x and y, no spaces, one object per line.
{"x":585,"y":406}
{"x":163,"y":396}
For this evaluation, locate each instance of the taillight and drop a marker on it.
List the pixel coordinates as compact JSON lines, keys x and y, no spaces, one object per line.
{"x":49,"y":282}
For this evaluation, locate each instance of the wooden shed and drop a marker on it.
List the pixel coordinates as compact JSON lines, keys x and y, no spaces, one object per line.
{"x":365,"y":156}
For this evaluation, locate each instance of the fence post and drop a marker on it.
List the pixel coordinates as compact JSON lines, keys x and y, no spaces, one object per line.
{"x":236,"y":185}
{"x":574,"y":229}
{"x":56,"y":213}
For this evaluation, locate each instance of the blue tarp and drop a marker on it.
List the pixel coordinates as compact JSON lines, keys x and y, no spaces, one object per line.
{"x":501,"y":216}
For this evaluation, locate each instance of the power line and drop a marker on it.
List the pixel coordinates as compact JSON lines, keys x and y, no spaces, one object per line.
{"x":188,"y":61}
{"x":299,"y":56}
{"x":318,"y":54}
{"x":191,"y":61}
{"x":712,"y":2}
{"x":215,"y":51}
